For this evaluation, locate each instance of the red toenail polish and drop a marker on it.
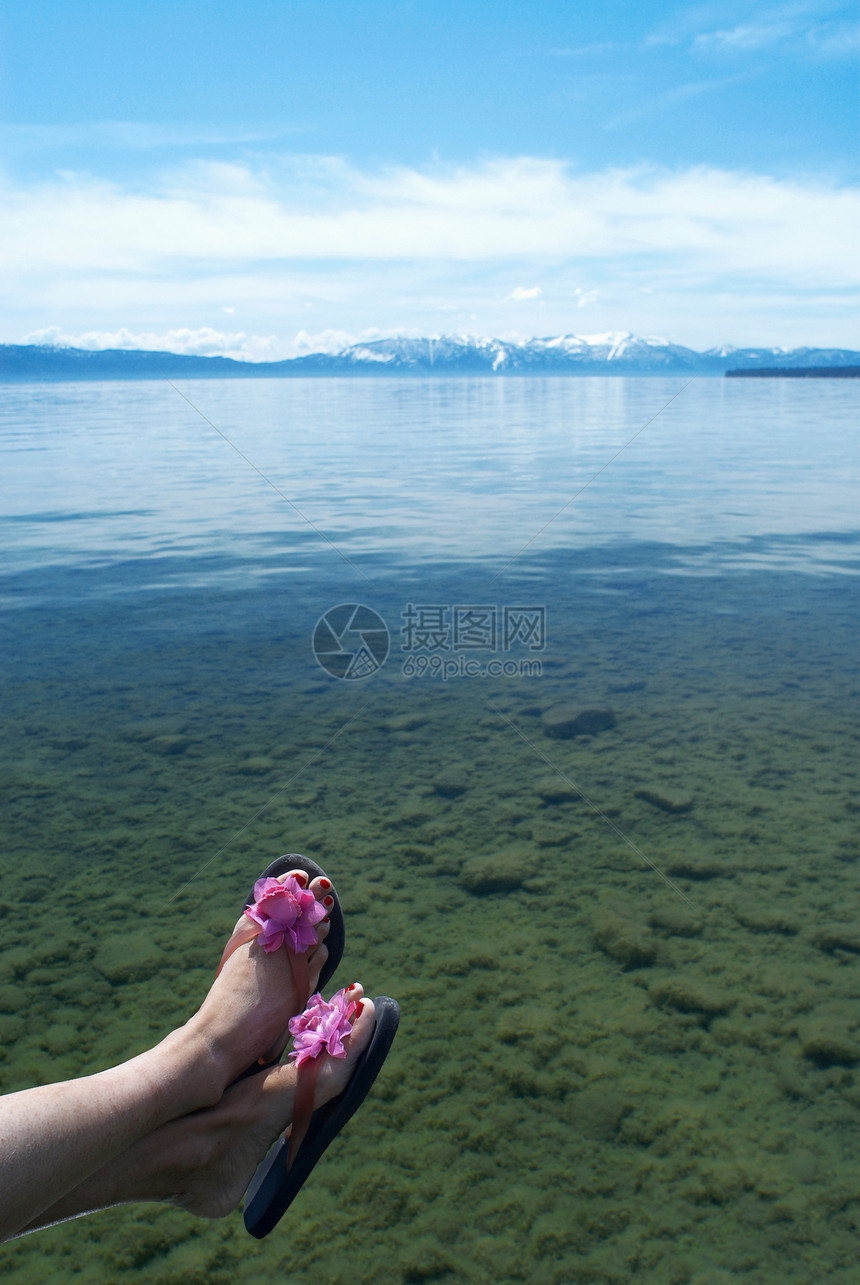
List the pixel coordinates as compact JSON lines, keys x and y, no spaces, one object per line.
{"x":325,"y":883}
{"x":301,"y":878}
{"x":327,"y":919}
{"x":328,"y":901}
{"x":359,"y":1006}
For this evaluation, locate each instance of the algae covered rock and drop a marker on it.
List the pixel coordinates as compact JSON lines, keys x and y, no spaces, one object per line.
{"x":405,"y":722}
{"x":452,"y":781}
{"x":599,"y":1113}
{"x":834,"y":938}
{"x":12,"y":999}
{"x":624,"y":940}
{"x":257,"y":765}
{"x":566,"y":721}
{"x":556,"y":789}
{"x":533,"y":1026}
{"x":829,"y":1038}
{"x":503,"y":872}
{"x":412,"y":812}
{"x":675,"y":921}
{"x":689,"y":995}
{"x":665,"y":799}
{"x":128,"y":957}
{"x":699,"y":866}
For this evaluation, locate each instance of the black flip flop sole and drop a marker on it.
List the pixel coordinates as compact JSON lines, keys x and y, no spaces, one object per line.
{"x":274,"y":1188}
{"x":335,"y":939}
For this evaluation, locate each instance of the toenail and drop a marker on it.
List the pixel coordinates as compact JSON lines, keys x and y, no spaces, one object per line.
{"x":301,"y":877}
{"x":325,"y":883}
{"x":327,"y":919}
{"x":328,"y":901}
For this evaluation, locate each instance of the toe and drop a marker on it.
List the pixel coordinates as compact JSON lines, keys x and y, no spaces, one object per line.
{"x":322,"y":888}
{"x":301,"y":876}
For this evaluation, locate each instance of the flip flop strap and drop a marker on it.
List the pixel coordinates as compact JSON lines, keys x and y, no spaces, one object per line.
{"x":240,"y":936}
{"x":298,"y":963}
{"x":301,"y":981}
{"x":303,"y":1106}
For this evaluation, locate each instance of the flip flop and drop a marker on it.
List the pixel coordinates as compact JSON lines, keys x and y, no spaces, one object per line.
{"x":335,"y":939}
{"x":274,"y":1187}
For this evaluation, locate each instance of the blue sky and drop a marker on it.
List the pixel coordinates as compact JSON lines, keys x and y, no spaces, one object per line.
{"x":273,"y":178}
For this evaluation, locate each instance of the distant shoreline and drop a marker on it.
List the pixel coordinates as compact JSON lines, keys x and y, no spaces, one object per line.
{"x":798,"y":372}
{"x":447,"y":357}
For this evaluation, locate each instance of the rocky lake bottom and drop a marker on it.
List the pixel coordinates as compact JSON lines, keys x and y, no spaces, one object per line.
{"x":628,"y":958}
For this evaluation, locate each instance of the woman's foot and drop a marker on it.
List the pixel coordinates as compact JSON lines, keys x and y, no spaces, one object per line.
{"x":204,"y":1162}
{"x":244,"y":1017}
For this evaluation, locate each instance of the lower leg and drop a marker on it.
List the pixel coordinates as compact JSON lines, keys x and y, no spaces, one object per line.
{"x":55,"y":1137}
{"x":204,"y":1161}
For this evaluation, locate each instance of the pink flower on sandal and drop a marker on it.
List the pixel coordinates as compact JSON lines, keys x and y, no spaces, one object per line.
{"x":285,"y":911}
{"x":322,"y":1027}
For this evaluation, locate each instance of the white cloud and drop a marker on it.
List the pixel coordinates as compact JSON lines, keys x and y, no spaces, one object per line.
{"x":204,"y":342}
{"x":392,"y":248}
{"x":230,"y":218}
{"x":326,"y":341}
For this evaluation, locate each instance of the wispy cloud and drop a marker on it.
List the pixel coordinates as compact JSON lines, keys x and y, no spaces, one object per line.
{"x":825,"y":28}
{"x":667,"y":99}
{"x":596,"y":49}
{"x":136,"y":136}
{"x":521,"y":293}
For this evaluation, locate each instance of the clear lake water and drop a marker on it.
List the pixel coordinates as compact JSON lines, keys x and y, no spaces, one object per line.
{"x":627,"y":949}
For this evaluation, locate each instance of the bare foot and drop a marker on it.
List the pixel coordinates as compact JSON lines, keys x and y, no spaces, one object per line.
{"x":244,"y":1017}
{"x":204,"y":1162}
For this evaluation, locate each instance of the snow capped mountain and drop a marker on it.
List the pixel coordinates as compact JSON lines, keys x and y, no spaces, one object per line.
{"x":616,"y":352}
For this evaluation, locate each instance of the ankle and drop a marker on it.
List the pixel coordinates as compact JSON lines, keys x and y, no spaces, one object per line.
{"x":189,"y":1071}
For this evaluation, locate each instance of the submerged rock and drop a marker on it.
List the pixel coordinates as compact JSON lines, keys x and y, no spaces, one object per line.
{"x":697,"y":866}
{"x":405,"y":722}
{"x":169,"y":745}
{"x":827,"y":1040}
{"x":556,"y":789}
{"x":566,"y":721}
{"x":838,"y":937}
{"x":674,"y":921}
{"x":599,"y":1113}
{"x":257,"y":765}
{"x":128,"y":957}
{"x":666,"y":799}
{"x":624,"y":940}
{"x":691,"y":996}
{"x":452,"y":781}
{"x":503,"y":872}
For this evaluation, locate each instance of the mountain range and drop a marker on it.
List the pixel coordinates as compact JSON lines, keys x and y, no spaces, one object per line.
{"x":615,"y":353}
